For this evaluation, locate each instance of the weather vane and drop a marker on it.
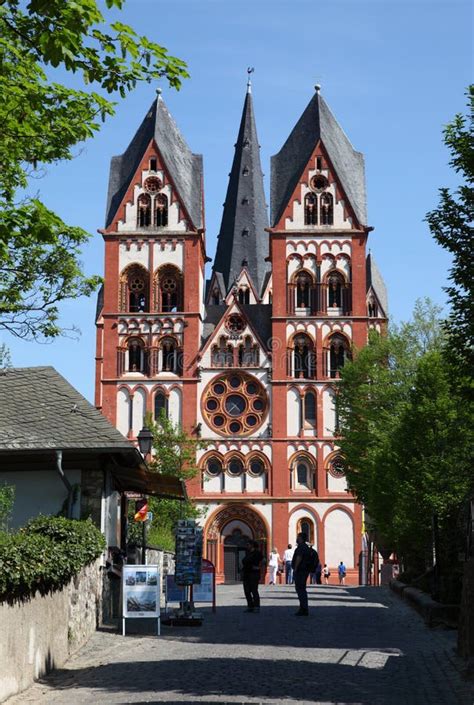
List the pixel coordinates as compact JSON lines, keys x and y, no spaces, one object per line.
{"x":250,"y":70}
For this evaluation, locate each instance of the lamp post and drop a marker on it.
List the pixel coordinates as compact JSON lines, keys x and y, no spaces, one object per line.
{"x":145,"y":439}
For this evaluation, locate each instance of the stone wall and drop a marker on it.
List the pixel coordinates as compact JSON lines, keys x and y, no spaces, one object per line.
{"x":40,"y":633}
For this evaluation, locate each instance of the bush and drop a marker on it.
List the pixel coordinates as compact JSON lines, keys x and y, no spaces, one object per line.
{"x":46,"y":554}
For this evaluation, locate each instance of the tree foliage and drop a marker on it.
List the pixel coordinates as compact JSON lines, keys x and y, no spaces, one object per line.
{"x":43,"y":120}
{"x":451,"y":225}
{"x":401,"y":422}
{"x":174,"y":453}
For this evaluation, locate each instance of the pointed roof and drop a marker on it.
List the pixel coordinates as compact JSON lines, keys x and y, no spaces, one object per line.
{"x":317,"y":123}
{"x":184,"y":167}
{"x":242,"y":239}
{"x":375,"y":280}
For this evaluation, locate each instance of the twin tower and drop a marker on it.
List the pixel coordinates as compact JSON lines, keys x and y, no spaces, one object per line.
{"x":249,"y":358}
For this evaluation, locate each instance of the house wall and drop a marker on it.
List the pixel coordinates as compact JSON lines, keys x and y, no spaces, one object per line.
{"x":37,"y":492}
{"x":41,"y":633}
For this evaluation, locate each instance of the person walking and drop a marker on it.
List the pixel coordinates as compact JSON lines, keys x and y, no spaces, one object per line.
{"x":326,"y":574}
{"x":273,"y":563}
{"x":251,"y":563}
{"x":341,"y":571}
{"x":301,"y":569}
{"x":287,"y":558}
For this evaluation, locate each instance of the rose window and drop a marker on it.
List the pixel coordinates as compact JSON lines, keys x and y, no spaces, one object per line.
{"x":152,"y":184}
{"x":235,"y":404}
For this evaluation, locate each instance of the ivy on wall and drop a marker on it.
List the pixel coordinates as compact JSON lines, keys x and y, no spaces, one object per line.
{"x":45,"y":554}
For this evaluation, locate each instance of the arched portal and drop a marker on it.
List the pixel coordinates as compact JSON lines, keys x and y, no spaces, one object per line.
{"x":226,"y":534}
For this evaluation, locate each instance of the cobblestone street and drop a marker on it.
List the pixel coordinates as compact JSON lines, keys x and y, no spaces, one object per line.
{"x":358,"y":646}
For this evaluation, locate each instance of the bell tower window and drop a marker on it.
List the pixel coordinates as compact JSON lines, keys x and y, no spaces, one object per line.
{"x":161,"y":210}
{"x":144,"y":210}
{"x":136,"y":355}
{"x":310,"y":209}
{"x":339,"y":352}
{"x":335,"y":287}
{"x":303,"y":357}
{"x":168,"y":289}
{"x":169,"y":352}
{"x":310,"y":409}
{"x":327,"y":209}
{"x":134,"y":289}
{"x":244,"y":296}
{"x":153,"y":164}
{"x":303,"y":285}
{"x":161,"y":405}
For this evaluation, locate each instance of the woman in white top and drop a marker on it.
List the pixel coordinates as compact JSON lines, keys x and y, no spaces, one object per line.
{"x":273,"y":563}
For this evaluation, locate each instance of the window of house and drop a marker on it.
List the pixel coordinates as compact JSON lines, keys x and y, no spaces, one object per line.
{"x":256,"y":467}
{"x":235,"y":467}
{"x":327,"y":209}
{"x":339,"y":352}
{"x":310,"y":209}
{"x":303,"y":357}
{"x":215,"y":297}
{"x":136,"y":355}
{"x":144,"y":210}
{"x":244,"y":295}
{"x":306,"y":526}
{"x":169,"y":355}
{"x":153,"y":164}
{"x":161,"y":405}
{"x":310,"y":409}
{"x":303,"y":286}
{"x":248,"y":353}
{"x":134,"y":289}
{"x":222,"y":354}
{"x":335,"y":286}
{"x":372,"y":307}
{"x":170,"y":287}
{"x":161,"y":210}
{"x":319,"y":163}
{"x":213,"y":467}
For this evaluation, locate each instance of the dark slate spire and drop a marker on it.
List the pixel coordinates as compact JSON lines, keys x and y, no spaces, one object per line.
{"x":184,"y":167}
{"x":243,"y":240}
{"x":317,"y":123}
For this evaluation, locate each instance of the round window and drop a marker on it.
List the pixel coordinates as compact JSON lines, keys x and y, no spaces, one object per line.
{"x":235,"y":467}
{"x":235,"y":403}
{"x":319,"y":182}
{"x":257,"y":467}
{"x":152,"y":184}
{"x":214,"y":467}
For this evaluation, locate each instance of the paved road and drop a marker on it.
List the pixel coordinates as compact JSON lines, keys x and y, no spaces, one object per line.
{"x":359,"y":646}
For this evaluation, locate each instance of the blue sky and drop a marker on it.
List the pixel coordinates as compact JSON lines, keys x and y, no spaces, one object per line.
{"x":393,"y":73}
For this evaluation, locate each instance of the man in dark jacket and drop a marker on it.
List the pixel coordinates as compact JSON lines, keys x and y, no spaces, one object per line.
{"x":301,"y":568}
{"x":251,"y":563}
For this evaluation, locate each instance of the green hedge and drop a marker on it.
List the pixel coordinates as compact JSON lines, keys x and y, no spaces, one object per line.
{"x":45,"y":554}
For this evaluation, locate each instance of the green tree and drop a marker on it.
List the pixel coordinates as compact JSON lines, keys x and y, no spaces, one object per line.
{"x":43,"y":120}
{"x":174,"y":453}
{"x":451,"y":226}
{"x":7,"y":500}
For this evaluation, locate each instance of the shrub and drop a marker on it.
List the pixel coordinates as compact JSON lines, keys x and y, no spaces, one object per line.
{"x":46,"y":554}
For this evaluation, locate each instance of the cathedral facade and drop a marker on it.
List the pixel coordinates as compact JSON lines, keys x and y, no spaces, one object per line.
{"x":249,"y":358}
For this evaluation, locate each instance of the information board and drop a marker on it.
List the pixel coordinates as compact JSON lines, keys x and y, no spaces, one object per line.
{"x":205,"y":591}
{"x":188,"y":552}
{"x":174,"y":593}
{"x":141,"y":591}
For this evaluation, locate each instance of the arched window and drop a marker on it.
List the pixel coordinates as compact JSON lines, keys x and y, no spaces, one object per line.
{"x":335,"y":287}
{"x":310,"y":209}
{"x":303,"y":357}
{"x":134,"y":289}
{"x":161,"y":406}
{"x":136,"y":355}
{"x":168,"y":289}
{"x":169,"y":352}
{"x":302,"y":474}
{"x":213,"y":466}
{"x":339,"y":352}
{"x":244,"y":296}
{"x":372,"y":307}
{"x":222,"y":355}
{"x":215,"y":297}
{"x":310,"y":409}
{"x":303,"y":286}
{"x":161,"y":210}
{"x":144,"y":210}
{"x":153,"y":164}
{"x":248,"y":353}
{"x":327,"y":209}
{"x":306,"y":526}
{"x":235,"y":466}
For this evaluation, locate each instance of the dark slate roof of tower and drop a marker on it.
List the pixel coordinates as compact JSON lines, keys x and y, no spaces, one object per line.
{"x":242,"y":239}
{"x":375,"y":280}
{"x":317,"y":123}
{"x":184,"y":167}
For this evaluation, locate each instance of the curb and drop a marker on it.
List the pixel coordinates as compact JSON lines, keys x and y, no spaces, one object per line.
{"x":434,"y":613}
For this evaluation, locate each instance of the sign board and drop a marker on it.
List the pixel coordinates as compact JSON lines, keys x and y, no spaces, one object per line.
{"x":141,"y":592}
{"x":149,"y":516}
{"x":174,"y":593}
{"x":206,"y":590}
{"x":188,"y":552}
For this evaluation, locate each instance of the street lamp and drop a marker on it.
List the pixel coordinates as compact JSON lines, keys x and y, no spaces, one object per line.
{"x":145,"y":439}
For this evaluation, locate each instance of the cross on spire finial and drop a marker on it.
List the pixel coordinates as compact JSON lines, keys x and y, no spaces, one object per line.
{"x":250,"y":70}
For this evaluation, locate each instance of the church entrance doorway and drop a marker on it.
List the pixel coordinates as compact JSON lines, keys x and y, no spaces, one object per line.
{"x":234,"y":551}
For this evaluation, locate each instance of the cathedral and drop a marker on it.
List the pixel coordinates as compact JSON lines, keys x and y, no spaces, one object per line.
{"x":247,"y":359}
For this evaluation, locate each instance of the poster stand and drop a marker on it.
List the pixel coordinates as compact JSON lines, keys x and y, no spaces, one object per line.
{"x":141,"y":594}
